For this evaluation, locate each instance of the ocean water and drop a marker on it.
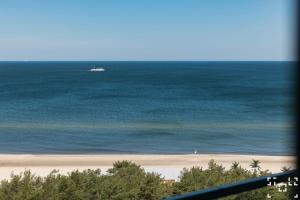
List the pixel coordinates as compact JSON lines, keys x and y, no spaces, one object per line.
{"x":146,"y":107}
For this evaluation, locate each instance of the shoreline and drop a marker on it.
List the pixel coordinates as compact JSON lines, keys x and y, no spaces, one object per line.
{"x":143,"y":159}
{"x":168,"y":165}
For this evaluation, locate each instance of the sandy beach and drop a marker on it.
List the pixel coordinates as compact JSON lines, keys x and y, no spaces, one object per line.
{"x":167,"y":165}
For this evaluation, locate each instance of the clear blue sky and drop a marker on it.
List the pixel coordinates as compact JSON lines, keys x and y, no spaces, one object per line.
{"x":146,"y":30}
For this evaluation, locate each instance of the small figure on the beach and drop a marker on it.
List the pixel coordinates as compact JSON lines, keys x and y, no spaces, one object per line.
{"x":195,"y":151}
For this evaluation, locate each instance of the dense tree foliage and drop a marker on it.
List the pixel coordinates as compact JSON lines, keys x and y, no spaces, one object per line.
{"x":127,"y":180}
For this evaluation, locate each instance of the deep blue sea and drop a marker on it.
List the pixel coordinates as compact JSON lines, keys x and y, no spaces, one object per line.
{"x":146,"y":107}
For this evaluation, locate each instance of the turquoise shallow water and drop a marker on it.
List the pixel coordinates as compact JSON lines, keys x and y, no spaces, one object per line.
{"x":146,"y":107}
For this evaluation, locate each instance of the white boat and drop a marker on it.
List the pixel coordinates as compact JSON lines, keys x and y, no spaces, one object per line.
{"x":97,"y":70}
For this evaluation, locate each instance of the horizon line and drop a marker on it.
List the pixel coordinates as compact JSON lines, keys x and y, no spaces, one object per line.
{"x":148,"y":60}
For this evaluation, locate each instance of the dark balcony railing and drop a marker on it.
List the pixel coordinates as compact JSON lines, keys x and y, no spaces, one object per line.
{"x":239,"y":187}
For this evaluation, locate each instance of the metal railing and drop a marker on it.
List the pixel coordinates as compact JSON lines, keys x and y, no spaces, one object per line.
{"x":235,"y":188}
